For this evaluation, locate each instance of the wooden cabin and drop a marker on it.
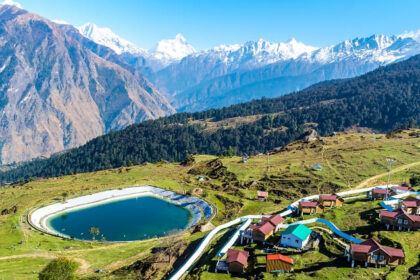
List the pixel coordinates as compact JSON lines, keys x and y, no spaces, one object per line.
{"x":262,"y":196}
{"x":262,"y":232}
{"x":310,"y":207}
{"x":275,"y":220}
{"x":371,"y":252}
{"x":380,"y":193}
{"x":331,"y":200}
{"x":296,"y":236}
{"x":237,"y":260}
{"x":411,"y":205}
{"x":399,"y":219}
{"x":279,"y":264}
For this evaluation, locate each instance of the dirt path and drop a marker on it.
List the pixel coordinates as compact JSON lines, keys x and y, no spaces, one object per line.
{"x":366,"y":182}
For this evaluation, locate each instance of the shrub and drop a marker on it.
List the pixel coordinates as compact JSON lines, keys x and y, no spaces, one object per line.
{"x":61,"y":268}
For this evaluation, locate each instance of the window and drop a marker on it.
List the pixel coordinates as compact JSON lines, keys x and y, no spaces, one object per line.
{"x":297,"y":241}
{"x":381,"y":257}
{"x":405,"y":222}
{"x":375,"y":257}
{"x":400,"y":221}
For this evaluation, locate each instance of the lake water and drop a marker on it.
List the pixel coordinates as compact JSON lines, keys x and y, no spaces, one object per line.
{"x":124,"y":220}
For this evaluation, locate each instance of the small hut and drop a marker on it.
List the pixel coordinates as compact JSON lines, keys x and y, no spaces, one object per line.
{"x":310,"y":207}
{"x":262,"y":196}
{"x":237,"y":260}
{"x":331,"y":200}
{"x":279,"y":264}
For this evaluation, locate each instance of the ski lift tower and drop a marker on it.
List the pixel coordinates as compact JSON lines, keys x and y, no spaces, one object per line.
{"x":390,"y":161}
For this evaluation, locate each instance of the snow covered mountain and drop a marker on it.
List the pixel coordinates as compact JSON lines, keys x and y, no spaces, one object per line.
{"x":232,"y":74}
{"x":105,"y":36}
{"x":164,"y":53}
{"x":227,"y":74}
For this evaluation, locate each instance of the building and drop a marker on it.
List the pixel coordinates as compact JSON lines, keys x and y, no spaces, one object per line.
{"x":237,"y":260}
{"x":310,"y":207}
{"x":331,"y":200}
{"x":262,"y":232}
{"x":399,"y":219}
{"x":296,"y":236}
{"x":380,"y":193}
{"x":279,"y":264}
{"x":275,"y":220}
{"x":411,"y":205}
{"x":400,"y":189}
{"x":262,"y":196}
{"x":371,"y":252}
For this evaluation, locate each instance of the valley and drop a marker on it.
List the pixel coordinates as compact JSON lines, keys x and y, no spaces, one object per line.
{"x":348,"y":159}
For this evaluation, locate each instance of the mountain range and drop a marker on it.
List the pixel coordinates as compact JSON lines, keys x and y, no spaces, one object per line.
{"x":229,"y":74}
{"x":59,"y":89}
{"x":61,"y":85}
{"x":379,"y":101}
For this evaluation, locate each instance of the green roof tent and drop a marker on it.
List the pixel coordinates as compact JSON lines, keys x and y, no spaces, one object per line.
{"x":300,"y":231}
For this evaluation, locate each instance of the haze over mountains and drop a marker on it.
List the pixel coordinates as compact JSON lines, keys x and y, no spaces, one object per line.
{"x":225,"y":75}
{"x":59,"y":89}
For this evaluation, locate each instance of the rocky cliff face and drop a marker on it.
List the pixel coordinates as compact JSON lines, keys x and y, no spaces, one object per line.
{"x":58,"y":89}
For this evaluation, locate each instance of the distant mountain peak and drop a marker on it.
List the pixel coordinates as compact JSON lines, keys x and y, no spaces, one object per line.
{"x":172,"y":49}
{"x":105,"y":36}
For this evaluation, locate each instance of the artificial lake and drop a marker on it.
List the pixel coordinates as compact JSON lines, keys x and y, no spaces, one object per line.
{"x":123,"y":220}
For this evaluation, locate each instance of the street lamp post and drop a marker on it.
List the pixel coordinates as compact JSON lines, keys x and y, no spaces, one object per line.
{"x":390,"y":161}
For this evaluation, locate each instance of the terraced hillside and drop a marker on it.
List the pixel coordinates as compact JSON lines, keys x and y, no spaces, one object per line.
{"x":348,"y":159}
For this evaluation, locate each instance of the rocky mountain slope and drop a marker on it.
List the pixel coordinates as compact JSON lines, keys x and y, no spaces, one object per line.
{"x":379,"y":101}
{"x":58,"y":89}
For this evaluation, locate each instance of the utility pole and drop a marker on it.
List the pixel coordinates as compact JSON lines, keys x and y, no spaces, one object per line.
{"x":390,"y":161}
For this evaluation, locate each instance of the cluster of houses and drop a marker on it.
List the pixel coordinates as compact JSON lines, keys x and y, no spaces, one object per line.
{"x":298,"y":236}
{"x":237,"y":260}
{"x":318,"y":206}
{"x":294,"y":236}
{"x":405,"y":217}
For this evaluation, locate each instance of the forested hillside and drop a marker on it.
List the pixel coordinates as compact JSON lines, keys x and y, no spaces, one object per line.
{"x":383,"y":99}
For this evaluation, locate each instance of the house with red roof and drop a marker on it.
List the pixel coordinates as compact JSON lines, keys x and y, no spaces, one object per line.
{"x":399,"y":219}
{"x":263,"y":231}
{"x":262,"y":196}
{"x":373,"y":253}
{"x":381,"y":193}
{"x":400,"y":189}
{"x":331,"y":200}
{"x":310,"y":207}
{"x":279,"y":263}
{"x":236,"y":260}
{"x":275,"y":220}
{"x":411,"y":205}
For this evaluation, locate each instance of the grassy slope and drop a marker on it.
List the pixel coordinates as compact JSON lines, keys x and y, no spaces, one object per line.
{"x":348,"y":159}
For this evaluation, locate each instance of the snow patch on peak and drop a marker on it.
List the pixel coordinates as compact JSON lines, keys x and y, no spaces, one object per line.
{"x":105,"y":36}
{"x":11,"y":3}
{"x":172,"y":49}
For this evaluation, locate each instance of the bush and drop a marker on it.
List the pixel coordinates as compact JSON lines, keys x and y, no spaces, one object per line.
{"x":415,"y":181}
{"x":61,"y":268}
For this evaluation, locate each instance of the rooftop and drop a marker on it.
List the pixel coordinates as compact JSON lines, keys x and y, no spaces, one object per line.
{"x":280,"y":257}
{"x":411,"y":202}
{"x":300,"y":231}
{"x":237,"y":256}
{"x":274,"y":219}
{"x":371,"y":245}
{"x":309,"y":203}
{"x":265,"y":228}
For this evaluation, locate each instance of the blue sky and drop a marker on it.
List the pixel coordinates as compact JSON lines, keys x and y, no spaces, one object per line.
{"x":207,"y":23}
